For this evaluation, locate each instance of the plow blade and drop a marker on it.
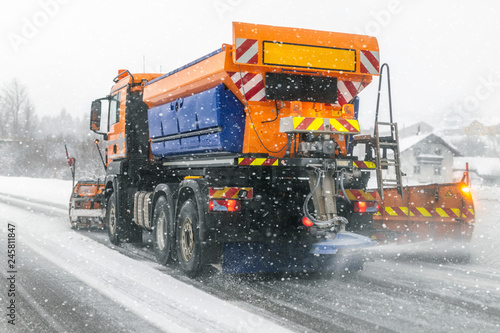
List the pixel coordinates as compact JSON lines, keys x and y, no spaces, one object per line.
{"x":328,"y":255}
{"x":426,"y":212}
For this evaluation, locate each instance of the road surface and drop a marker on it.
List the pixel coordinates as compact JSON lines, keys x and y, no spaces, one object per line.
{"x":76,"y":281}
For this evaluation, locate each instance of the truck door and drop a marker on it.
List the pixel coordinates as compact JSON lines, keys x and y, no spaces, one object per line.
{"x":116,"y":145}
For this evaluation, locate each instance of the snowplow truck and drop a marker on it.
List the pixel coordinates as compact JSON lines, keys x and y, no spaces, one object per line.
{"x":86,"y":207}
{"x":242,"y":158}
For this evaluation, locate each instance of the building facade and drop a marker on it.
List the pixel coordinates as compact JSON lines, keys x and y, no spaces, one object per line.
{"x":427,"y":159}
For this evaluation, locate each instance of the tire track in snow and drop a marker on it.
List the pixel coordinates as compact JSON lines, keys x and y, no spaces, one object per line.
{"x":299,"y":306}
{"x":168,"y":303}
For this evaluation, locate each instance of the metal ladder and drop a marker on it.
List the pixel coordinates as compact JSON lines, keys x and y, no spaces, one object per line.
{"x":385,"y":143}
{"x":383,"y":161}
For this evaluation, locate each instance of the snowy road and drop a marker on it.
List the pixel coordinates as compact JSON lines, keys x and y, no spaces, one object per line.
{"x":69,"y":281}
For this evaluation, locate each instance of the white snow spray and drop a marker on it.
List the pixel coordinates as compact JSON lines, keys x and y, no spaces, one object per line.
{"x":442,"y":251}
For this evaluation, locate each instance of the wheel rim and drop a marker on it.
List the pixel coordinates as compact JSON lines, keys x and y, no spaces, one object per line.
{"x":187,"y":239}
{"x":160,"y":231}
{"x":112,"y":219}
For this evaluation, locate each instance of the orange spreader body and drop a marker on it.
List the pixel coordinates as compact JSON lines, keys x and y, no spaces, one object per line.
{"x":260,"y":49}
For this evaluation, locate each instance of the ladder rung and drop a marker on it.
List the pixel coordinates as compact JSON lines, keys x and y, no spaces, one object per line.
{"x":387,"y":144}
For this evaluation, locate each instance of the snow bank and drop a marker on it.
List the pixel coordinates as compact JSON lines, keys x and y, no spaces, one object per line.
{"x":486,"y":238}
{"x":487,"y":193}
{"x":49,"y":190}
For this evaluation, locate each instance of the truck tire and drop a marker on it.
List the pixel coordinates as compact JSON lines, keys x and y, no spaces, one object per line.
{"x":188,"y":239}
{"x":73,"y":225}
{"x":162,"y":231}
{"x":111,"y":220}
{"x":120,"y":230}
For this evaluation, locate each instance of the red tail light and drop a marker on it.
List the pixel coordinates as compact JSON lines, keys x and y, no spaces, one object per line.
{"x":224,"y":205}
{"x":307,"y":222}
{"x":365,"y":206}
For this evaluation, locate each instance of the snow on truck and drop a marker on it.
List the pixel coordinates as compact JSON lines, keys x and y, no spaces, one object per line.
{"x":243,"y":158}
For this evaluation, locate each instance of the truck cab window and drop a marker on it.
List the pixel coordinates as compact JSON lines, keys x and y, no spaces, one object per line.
{"x":114,"y":109}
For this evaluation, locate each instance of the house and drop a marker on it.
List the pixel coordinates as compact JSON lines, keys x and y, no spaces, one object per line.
{"x":476,"y":128}
{"x":427,"y":158}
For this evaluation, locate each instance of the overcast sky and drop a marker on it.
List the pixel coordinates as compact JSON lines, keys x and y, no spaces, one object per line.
{"x":444,"y":55}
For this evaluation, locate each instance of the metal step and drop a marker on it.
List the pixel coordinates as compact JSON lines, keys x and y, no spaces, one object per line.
{"x":388,"y":144}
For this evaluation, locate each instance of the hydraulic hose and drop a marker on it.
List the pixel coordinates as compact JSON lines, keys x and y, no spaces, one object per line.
{"x":342,"y":186}
{"x":320,"y":223}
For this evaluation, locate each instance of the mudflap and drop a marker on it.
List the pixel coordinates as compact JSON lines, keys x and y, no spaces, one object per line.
{"x":335,"y":254}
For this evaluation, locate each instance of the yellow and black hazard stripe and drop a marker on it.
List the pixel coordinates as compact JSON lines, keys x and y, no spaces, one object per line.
{"x":364,"y":164}
{"x":258,"y":161}
{"x":326,"y":124}
{"x":361,"y":195}
{"x":428,"y":212}
{"x":313,"y":124}
{"x":230,"y":192}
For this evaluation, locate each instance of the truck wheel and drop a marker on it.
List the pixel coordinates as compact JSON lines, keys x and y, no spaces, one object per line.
{"x":73,"y":225}
{"x":120,"y":229}
{"x":188,"y":240}
{"x":111,"y":220}
{"x":162,"y":232}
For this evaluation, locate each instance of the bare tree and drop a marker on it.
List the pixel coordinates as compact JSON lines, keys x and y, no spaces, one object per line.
{"x":41,"y":153}
{"x":29,"y":118}
{"x":16,"y":109}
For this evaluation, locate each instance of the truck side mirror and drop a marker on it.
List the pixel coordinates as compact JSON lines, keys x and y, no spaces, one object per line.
{"x":95,"y":116}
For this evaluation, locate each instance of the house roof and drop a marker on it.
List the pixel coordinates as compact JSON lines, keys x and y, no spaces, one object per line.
{"x":409,"y":142}
{"x":411,"y":130}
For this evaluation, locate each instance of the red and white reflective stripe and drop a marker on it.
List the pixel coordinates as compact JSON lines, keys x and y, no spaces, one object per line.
{"x":369,"y":62}
{"x":250,"y":84}
{"x":247,"y":51}
{"x":346,"y":90}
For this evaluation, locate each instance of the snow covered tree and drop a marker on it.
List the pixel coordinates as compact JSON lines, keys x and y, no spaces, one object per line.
{"x":16,"y":110}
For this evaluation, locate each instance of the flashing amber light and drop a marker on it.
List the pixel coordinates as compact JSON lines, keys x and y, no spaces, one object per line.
{"x":307,"y":222}
{"x":348,"y":111}
{"x":224,"y":205}
{"x":122,"y":73}
{"x":466,"y":189}
{"x":96,"y":141}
